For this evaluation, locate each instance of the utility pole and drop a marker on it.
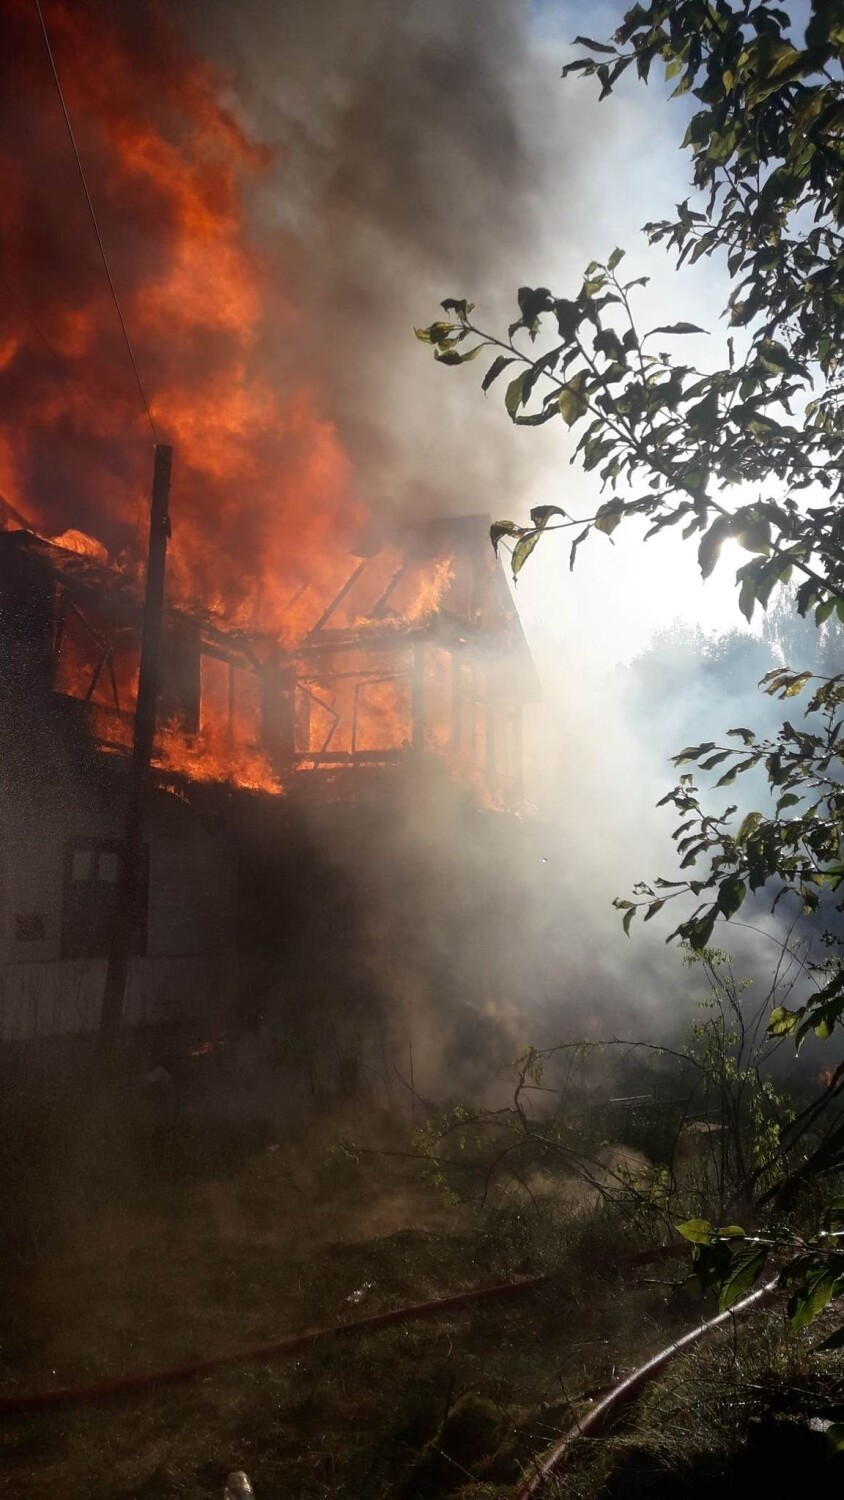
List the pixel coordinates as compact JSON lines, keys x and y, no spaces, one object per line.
{"x":130,"y":877}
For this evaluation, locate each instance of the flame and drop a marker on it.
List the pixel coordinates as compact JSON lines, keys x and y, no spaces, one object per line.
{"x":423,"y":594}
{"x":262,"y":487}
{"x":214,"y":755}
{"x":79,"y":542}
{"x":264,"y":503}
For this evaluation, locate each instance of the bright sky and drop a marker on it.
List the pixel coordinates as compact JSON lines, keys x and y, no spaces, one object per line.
{"x":618,"y":595}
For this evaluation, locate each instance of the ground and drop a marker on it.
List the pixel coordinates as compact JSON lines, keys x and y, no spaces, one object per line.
{"x":181,"y":1220}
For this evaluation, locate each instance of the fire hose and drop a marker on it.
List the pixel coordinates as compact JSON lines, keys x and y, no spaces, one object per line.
{"x":123,"y":1385}
{"x":60,"y":1397}
{"x":597,"y":1419}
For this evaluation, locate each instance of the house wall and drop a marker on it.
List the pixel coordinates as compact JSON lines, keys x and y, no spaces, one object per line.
{"x":190,"y":971}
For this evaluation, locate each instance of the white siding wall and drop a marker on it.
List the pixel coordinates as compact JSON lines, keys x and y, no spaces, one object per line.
{"x":191,"y":967}
{"x":56,"y":998}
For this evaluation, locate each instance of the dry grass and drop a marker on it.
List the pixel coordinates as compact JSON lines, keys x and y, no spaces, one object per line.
{"x":175,"y":1225}
{"x":733,"y":1418}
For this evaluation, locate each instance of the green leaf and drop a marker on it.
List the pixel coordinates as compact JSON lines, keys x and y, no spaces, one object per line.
{"x":731,"y":893}
{"x":608,"y":516}
{"x":535,"y":418}
{"x":615,"y":259}
{"x":699,"y":931}
{"x":541,"y":515}
{"x":754,"y":536}
{"x":522,"y":551}
{"x":811,"y":1297}
{"x":569,"y":317}
{"x":796,"y":685}
{"x":458,"y":305}
{"x":454,"y":357}
{"x":586,"y":41}
{"x":747,"y":598}
{"x":437,"y":333}
{"x":498,"y":364}
{"x":703,"y":418}
{"x":575,"y":544}
{"x":783,"y":1022}
{"x":788,"y":800}
{"x":571,"y":400}
{"x":748,"y":826}
{"x":696,"y":1231}
{"x":513,"y":396}
{"x":499,"y":529}
{"x":676,"y":328}
{"x":711,"y":544}
{"x":608,"y":342}
{"x":777,"y":57}
{"x":745,"y":1272}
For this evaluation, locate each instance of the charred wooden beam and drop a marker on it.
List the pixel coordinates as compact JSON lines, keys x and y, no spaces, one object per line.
{"x":338,"y":599}
{"x":380,"y":605}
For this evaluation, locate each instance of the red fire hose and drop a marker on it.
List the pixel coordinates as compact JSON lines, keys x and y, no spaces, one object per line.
{"x":596,"y":1420}
{"x":123,"y":1385}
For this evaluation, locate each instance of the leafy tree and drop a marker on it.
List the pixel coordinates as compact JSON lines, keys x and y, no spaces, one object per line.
{"x":678,"y":443}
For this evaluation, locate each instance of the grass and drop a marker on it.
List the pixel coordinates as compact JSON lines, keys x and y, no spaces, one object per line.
{"x":741,"y":1416}
{"x":179,"y":1223}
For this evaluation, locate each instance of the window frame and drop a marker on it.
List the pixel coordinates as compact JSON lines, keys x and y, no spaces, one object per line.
{"x":99,"y":943}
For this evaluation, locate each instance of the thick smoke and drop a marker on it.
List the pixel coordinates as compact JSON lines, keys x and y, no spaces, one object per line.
{"x":418,"y":146}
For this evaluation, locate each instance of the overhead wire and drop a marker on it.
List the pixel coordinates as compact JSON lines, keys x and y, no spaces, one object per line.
{"x":88,"y":199}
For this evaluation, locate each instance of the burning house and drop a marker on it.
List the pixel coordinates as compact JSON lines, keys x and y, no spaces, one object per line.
{"x":282,"y":774}
{"x":338,"y":743}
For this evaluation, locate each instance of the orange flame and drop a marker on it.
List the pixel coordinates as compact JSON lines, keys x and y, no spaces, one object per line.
{"x":85,"y":546}
{"x":214,"y":755}
{"x":262,"y":488}
{"x":263,"y":500}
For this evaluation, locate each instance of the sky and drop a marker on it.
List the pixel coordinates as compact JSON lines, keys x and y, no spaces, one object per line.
{"x":621,"y":593}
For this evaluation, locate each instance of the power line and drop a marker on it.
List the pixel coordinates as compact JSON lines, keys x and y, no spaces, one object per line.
{"x":94,"y":218}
